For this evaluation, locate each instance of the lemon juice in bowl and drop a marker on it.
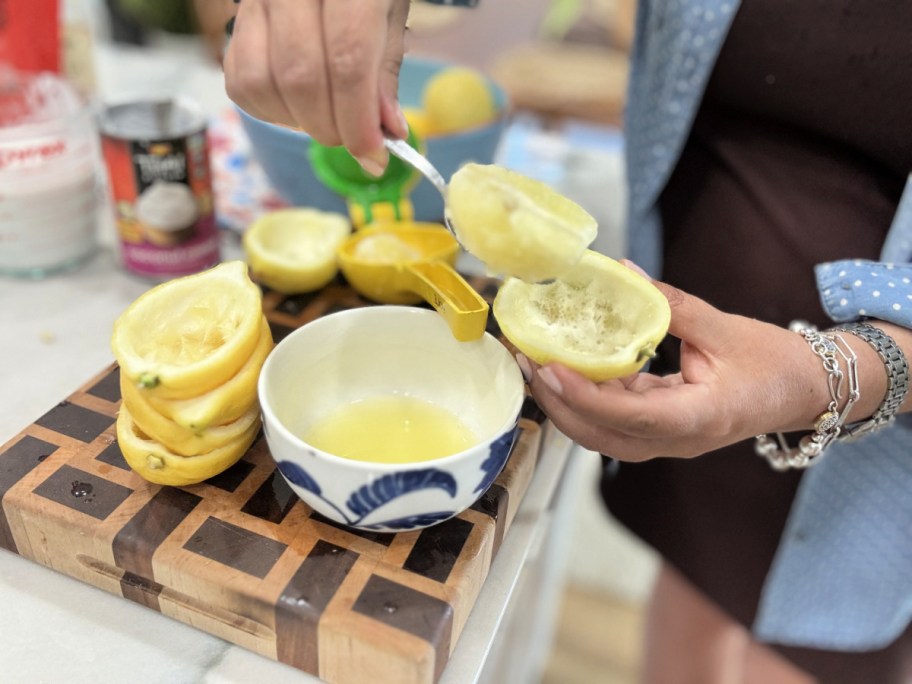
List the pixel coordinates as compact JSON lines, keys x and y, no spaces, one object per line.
{"x":394,"y":428}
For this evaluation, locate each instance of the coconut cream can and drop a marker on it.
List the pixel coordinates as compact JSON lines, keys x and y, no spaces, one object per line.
{"x":157,"y":159}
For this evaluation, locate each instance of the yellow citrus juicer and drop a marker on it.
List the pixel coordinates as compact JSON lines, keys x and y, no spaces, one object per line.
{"x":390,"y":258}
{"x":406,"y":262}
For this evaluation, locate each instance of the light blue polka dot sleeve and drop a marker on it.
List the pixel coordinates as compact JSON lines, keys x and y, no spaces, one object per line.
{"x":853,"y":288}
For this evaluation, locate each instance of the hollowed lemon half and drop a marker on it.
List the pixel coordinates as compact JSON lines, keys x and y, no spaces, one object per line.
{"x":176,"y":438}
{"x":293,"y":250}
{"x":156,"y":463}
{"x":517,"y":226}
{"x":189,"y":335}
{"x":226,"y":402}
{"x":601,"y":318}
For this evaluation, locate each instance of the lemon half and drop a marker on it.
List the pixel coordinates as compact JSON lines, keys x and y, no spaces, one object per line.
{"x":177,"y":438}
{"x":516,"y":225}
{"x":226,"y":402}
{"x":189,"y":335}
{"x":293,"y":251}
{"x":156,"y":463}
{"x":601,"y":319}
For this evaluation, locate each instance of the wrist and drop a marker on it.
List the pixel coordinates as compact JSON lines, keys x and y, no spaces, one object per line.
{"x":846,"y":365}
{"x":892,"y":381}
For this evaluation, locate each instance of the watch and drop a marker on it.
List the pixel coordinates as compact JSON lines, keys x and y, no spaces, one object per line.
{"x":897,"y":368}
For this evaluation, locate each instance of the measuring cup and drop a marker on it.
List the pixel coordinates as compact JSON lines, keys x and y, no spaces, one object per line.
{"x":405,"y":263}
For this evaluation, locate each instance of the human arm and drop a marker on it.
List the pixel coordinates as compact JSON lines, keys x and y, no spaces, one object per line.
{"x":739,"y":378}
{"x":328,"y":68}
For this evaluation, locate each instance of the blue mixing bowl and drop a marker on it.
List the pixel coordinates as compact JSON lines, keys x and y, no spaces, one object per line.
{"x":283,"y":152}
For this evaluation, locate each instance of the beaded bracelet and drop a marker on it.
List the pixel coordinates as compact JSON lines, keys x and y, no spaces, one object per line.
{"x":830,"y":347}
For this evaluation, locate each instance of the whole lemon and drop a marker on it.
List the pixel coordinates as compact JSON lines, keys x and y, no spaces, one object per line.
{"x":418,"y":121}
{"x":457,"y":98}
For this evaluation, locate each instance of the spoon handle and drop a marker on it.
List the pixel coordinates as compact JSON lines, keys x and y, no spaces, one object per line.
{"x":409,"y":155}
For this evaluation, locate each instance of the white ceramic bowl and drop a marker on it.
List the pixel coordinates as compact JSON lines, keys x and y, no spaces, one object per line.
{"x":378,"y":351}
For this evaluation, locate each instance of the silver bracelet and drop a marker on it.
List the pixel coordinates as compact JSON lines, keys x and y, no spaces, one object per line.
{"x":830,"y":347}
{"x":897,"y":368}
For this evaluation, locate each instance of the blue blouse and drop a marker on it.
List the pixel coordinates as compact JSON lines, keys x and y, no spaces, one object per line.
{"x":842,"y":576}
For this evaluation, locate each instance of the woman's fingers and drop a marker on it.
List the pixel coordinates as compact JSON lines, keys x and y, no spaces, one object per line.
{"x":597,"y":436}
{"x":330,"y":68}
{"x":356,"y":34}
{"x":651,"y":407}
{"x":297,"y":58}
{"x":248,"y":72}
{"x":391,"y":115}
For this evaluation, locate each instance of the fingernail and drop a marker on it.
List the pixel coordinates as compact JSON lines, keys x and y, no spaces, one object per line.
{"x":403,"y":122}
{"x":374,"y":163}
{"x":633,"y":267}
{"x":524,"y":366}
{"x":550,"y":379}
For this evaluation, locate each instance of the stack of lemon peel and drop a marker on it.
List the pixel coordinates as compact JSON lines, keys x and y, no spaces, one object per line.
{"x":561,"y":302}
{"x":293,"y":251}
{"x":190,"y":352}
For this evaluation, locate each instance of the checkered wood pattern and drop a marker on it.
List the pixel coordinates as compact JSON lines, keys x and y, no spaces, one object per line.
{"x":240,"y":556}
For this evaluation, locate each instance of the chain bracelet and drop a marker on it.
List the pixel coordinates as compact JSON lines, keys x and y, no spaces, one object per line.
{"x":830,"y":348}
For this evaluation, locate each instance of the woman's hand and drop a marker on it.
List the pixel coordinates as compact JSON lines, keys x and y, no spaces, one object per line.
{"x":330,"y":68}
{"x":739,"y":378}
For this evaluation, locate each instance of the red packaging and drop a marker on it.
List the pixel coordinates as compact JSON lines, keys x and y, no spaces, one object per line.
{"x":30,"y":35}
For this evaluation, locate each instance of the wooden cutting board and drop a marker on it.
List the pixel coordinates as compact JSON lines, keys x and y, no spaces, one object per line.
{"x":240,"y":556}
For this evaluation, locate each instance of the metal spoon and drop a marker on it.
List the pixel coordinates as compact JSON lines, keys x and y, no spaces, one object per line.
{"x":411,"y":156}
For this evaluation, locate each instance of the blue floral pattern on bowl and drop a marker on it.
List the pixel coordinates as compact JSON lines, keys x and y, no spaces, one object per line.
{"x":500,"y":451}
{"x":368,"y":498}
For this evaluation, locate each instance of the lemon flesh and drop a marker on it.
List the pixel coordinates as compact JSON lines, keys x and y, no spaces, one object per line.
{"x":293,"y":251}
{"x":156,"y":463}
{"x":601,"y":318}
{"x":516,"y":225}
{"x":226,"y":402}
{"x":189,"y":335}
{"x":455,"y":99}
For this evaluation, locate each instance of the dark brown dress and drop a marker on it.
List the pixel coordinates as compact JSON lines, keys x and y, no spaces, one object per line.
{"x":798,"y":155}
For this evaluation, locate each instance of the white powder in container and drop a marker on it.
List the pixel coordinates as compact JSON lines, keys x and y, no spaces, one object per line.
{"x":49,"y":176}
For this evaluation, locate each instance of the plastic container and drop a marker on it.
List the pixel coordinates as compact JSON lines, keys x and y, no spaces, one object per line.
{"x":50,"y":176}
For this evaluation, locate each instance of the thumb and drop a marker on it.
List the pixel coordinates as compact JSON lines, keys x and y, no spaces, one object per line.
{"x":694,"y":320}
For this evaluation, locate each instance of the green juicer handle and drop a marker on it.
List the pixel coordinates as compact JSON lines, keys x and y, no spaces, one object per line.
{"x":369,"y":198}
